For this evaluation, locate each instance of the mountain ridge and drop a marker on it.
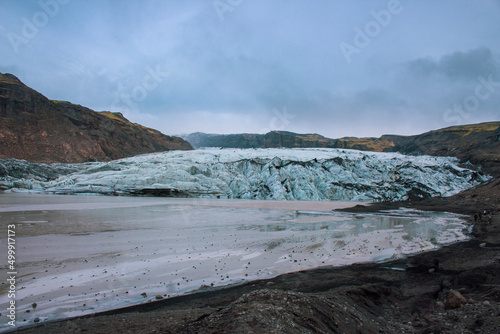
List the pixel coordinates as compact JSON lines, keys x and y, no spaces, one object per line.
{"x":478,"y":144}
{"x":37,"y":129}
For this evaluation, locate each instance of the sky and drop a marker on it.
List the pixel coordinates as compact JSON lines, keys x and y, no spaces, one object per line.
{"x":337,"y":68}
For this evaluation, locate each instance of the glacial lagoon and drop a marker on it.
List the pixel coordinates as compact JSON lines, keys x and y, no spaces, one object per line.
{"x":78,"y":255}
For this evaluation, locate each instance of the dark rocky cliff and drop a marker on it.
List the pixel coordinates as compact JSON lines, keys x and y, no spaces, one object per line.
{"x":37,"y":129}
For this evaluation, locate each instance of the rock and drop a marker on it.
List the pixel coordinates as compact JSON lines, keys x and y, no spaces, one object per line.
{"x":454,"y":300}
{"x":144,"y":294}
{"x":482,"y":245}
{"x":158,"y":297}
{"x":276,"y":311}
{"x":422,"y":266}
{"x":3,"y":170}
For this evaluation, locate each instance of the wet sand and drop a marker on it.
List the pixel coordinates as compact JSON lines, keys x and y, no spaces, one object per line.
{"x":127,"y":278}
{"x":42,"y":202}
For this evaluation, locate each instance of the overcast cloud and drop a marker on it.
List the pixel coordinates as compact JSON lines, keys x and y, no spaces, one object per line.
{"x":338,"y":68}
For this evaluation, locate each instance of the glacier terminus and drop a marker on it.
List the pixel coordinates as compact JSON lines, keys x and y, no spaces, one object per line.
{"x":272,"y":174}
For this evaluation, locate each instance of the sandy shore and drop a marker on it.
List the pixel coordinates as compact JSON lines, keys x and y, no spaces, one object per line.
{"x":401,"y":296}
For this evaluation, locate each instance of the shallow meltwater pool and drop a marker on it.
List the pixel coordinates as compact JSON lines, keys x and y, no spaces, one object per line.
{"x":76,"y":255}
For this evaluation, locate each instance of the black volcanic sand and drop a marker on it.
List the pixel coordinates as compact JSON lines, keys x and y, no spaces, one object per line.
{"x":402,"y":296}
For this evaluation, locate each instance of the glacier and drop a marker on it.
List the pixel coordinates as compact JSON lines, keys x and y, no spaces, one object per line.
{"x":271,"y":174}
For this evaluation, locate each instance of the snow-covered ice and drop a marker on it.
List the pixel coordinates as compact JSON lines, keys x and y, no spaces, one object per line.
{"x":277,"y":174}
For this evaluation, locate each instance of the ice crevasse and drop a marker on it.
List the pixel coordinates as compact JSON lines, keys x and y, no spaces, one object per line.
{"x":278,"y":174}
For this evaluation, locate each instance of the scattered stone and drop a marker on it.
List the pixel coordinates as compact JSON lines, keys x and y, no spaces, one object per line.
{"x":454,"y":300}
{"x":422,"y":266}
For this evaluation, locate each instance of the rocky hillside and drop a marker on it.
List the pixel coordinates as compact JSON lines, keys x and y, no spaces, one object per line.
{"x":476,"y":143}
{"x":37,"y":129}
{"x":273,"y":139}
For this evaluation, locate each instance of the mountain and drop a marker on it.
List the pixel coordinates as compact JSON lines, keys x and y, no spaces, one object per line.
{"x":477,"y":143}
{"x":273,"y":139}
{"x":37,"y":129}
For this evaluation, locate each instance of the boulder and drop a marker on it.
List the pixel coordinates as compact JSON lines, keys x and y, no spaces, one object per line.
{"x":454,"y":300}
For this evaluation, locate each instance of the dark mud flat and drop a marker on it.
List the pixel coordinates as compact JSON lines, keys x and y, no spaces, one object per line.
{"x":403,"y":296}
